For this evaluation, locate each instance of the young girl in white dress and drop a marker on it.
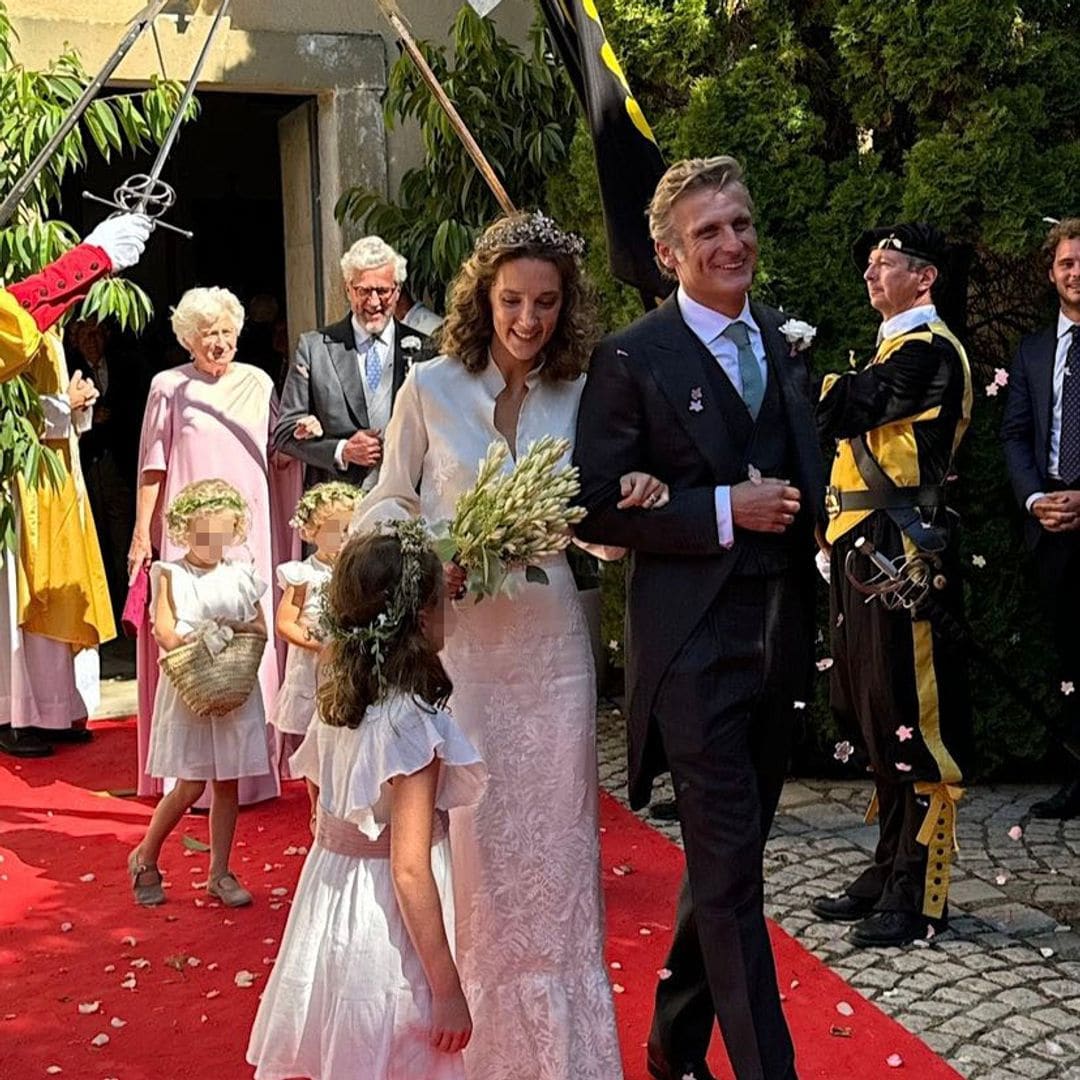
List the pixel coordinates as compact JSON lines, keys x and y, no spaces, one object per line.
{"x":322,"y":518}
{"x":207,"y":518}
{"x":365,"y":983}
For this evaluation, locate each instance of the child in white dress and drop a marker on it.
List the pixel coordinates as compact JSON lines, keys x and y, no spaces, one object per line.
{"x":203,"y":587}
{"x":365,"y":983}
{"x":322,"y":518}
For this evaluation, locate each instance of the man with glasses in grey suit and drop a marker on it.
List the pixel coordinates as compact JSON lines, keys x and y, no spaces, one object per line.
{"x":343,"y":381}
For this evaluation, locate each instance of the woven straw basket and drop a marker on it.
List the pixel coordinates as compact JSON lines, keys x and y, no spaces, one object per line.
{"x":211,"y":686}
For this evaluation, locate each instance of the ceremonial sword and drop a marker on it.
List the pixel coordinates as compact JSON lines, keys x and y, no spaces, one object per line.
{"x":135,"y":28}
{"x":147,"y":193}
{"x":909,"y":584}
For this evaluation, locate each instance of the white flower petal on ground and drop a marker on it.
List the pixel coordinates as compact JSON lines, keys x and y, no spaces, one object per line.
{"x":844,"y":1009}
{"x":86,"y":878}
{"x":1001,"y":877}
{"x":129,"y":940}
{"x":617,"y":989}
{"x":244,"y":978}
{"x":1046,"y":952}
{"x":116,"y":1022}
{"x":894,"y":1061}
{"x":86,"y":1008}
{"x":1015,"y":832}
{"x":100,"y":1039}
{"x":663,"y":974}
{"x":54,"y":1070}
{"x":66,"y":927}
{"x":279,"y":891}
{"x":140,"y":962}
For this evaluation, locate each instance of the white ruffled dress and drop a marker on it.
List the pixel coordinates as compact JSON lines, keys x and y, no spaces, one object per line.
{"x":295,"y":704}
{"x":183,"y":744}
{"x":347,"y":996}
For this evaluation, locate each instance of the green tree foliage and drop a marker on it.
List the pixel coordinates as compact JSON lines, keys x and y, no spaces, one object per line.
{"x":32,"y":106}
{"x":521,"y":113}
{"x":851,"y":113}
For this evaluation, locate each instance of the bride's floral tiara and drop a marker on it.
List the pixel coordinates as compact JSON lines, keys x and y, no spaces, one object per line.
{"x":521,"y":230}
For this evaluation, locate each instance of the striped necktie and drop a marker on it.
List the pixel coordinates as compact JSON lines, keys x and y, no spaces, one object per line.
{"x":1069,"y":447}
{"x":753,"y":385}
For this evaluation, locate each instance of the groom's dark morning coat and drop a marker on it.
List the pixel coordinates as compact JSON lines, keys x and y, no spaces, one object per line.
{"x":719,"y":644}
{"x":636,"y":415}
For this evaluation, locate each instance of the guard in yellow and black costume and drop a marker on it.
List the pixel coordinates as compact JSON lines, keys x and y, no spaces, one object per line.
{"x":899,"y":673}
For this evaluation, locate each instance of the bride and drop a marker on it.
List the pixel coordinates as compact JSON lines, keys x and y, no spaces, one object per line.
{"x":526,"y":858}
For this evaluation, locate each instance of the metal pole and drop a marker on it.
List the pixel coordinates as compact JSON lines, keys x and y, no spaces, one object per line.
{"x":23,"y":184}
{"x":390,"y":10}
{"x":185,"y":100}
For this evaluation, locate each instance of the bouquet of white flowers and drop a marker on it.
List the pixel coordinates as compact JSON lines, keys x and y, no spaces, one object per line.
{"x":512,"y":519}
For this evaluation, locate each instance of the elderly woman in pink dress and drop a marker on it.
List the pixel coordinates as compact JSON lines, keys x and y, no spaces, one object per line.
{"x":211,"y":419}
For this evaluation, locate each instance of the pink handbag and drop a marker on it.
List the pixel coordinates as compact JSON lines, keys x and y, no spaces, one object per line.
{"x":138,"y":600}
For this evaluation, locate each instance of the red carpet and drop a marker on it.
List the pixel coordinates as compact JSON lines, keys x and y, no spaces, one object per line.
{"x":65,"y":937}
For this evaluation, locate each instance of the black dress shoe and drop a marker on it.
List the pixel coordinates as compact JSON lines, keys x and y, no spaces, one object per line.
{"x":65,"y":735}
{"x":22,"y":742}
{"x":1063,"y":804}
{"x":886,"y":928}
{"x":842,"y":908}
{"x":697,"y":1069}
{"x":667,"y":810}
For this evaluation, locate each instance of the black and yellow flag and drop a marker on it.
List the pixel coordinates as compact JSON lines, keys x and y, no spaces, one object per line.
{"x":628,"y":161}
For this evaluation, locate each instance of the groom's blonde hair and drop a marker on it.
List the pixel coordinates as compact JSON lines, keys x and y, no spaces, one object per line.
{"x":684,"y":177}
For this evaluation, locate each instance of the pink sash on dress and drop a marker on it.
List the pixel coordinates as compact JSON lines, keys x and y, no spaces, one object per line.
{"x":344,"y":838}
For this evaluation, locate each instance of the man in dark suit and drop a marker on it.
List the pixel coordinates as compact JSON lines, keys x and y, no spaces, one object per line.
{"x":342,"y":384}
{"x":1041,"y":437}
{"x":705,"y":393}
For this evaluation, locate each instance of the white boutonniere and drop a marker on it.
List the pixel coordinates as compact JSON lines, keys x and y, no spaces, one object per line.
{"x":799,"y":335}
{"x":410,"y":343}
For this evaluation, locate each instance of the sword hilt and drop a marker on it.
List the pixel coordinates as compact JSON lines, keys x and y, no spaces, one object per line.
{"x":141,"y":194}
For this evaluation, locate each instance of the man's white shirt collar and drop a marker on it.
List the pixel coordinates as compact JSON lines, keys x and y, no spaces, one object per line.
{"x":1065,"y":324}
{"x":707,"y":323}
{"x":906,"y":321}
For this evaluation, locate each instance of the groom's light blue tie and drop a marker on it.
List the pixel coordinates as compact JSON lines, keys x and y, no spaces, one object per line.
{"x":753,"y":385}
{"x":372,"y":365}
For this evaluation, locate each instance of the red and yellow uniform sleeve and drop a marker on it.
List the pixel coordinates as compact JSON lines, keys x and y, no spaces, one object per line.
{"x":30,"y":307}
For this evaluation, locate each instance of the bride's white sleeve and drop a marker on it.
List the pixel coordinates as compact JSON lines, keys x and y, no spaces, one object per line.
{"x":396,"y":494}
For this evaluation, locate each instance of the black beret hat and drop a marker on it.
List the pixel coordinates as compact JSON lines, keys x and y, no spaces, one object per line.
{"x":918,"y":239}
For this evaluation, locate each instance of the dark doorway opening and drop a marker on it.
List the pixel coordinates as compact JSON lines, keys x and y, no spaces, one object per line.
{"x":226,"y":170}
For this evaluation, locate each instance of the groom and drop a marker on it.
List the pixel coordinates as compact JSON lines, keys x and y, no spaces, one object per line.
{"x":705,"y":393}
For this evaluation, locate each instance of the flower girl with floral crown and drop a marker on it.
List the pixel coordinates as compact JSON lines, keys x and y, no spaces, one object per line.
{"x":365,"y":983}
{"x":203,"y":597}
{"x":322,"y":518}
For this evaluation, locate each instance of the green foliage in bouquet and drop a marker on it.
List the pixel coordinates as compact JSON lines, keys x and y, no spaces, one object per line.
{"x":852,"y":113}
{"x":32,"y":106}
{"x":510,"y":519}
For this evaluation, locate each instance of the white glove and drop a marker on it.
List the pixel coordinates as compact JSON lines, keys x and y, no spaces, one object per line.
{"x":122,"y":238}
{"x":823,"y":566}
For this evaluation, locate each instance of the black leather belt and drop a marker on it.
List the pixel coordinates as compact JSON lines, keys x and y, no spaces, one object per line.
{"x":897,"y":498}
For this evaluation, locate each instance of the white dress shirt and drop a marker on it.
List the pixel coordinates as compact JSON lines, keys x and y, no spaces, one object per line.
{"x":379,"y":402}
{"x":708,"y":326}
{"x":1064,"y":340}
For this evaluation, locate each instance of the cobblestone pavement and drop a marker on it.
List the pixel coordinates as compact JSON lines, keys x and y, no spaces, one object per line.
{"x":998,"y":994}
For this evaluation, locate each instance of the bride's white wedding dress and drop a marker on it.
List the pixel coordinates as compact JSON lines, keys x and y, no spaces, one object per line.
{"x":526,"y":857}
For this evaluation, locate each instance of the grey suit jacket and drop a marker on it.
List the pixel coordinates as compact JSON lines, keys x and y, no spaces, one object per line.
{"x":324,"y":381}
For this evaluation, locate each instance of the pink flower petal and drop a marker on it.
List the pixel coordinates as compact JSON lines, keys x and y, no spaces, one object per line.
{"x":894,"y":1061}
{"x":663,"y":974}
{"x":1015,"y":832}
{"x":844,"y":1009}
{"x":903,"y":766}
{"x":903,"y":733}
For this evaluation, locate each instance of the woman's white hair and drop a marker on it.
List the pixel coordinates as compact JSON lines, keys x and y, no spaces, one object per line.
{"x":369,"y":252}
{"x":201,"y":306}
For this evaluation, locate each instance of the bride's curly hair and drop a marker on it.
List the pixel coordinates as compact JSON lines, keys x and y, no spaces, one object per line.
{"x":466,"y":332}
{"x":366,"y":585}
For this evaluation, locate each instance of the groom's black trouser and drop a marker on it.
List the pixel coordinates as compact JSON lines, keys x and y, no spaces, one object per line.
{"x":724,"y":714}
